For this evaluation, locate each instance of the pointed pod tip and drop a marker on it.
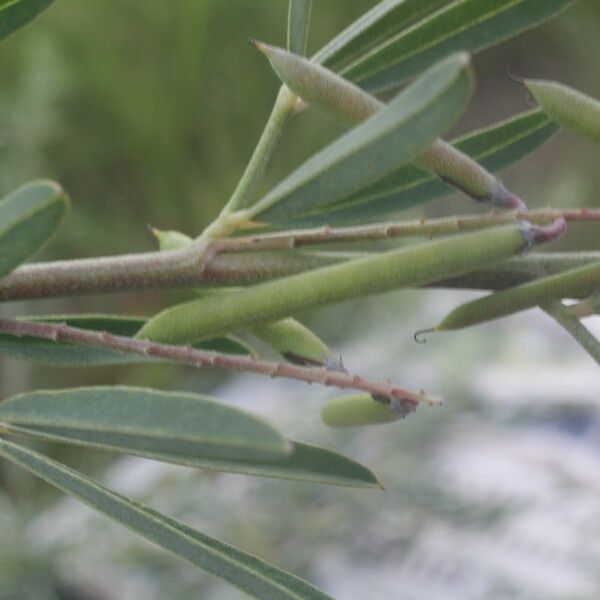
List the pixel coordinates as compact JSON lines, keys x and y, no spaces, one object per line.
{"x":260,"y":46}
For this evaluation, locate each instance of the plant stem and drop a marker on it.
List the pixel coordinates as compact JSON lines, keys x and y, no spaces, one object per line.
{"x":245,"y":192}
{"x":60,"y":332}
{"x":216,"y":263}
{"x":173,"y":269}
{"x":561,"y":314}
{"x":421,"y":227}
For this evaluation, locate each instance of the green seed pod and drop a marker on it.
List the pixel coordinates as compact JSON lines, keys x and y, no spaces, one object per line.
{"x":362,"y":409}
{"x":349,"y":103}
{"x":405,"y":267}
{"x":568,"y":107}
{"x":575,"y":283}
{"x":295,"y":342}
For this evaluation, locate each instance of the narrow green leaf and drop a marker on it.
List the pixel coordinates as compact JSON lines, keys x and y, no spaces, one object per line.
{"x":255,"y":577}
{"x":567,"y":106}
{"x":383,"y":21}
{"x":573,"y":326}
{"x":376,"y":147}
{"x":298,"y":25}
{"x":28,"y":218}
{"x":494,"y":147}
{"x":15,"y":14}
{"x":61,"y":354}
{"x":405,"y":267}
{"x":140,"y":421}
{"x":304,"y":463}
{"x":468,"y":25}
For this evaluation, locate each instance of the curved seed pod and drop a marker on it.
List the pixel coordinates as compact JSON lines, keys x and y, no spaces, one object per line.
{"x":349,"y":103}
{"x":295,"y":342}
{"x":580,"y":282}
{"x":28,"y":218}
{"x":567,"y":106}
{"x":404,"y":267}
{"x":363,"y":409}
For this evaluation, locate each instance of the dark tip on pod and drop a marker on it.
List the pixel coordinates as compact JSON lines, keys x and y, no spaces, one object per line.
{"x":419,"y":336}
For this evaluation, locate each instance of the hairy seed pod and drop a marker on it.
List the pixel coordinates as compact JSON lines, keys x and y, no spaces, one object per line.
{"x":574,"y":283}
{"x":347,"y":102}
{"x":295,"y":342}
{"x":405,"y":267}
{"x":363,"y":409}
{"x":568,"y":107}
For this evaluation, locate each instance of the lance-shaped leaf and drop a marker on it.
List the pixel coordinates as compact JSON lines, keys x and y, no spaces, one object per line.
{"x":259,"y":579}
{"x":405,"y":267}
{"x":469,"y":25}
{"x":62,"y":354}
{"x":567,"y":106}
{"x":141,"y":421}
{"x":376,"y":147}
{"x":494,"y":147}
{"x":384,"y":20}
{"x":573,"y":326}
{"x":303,"y":463}
{"x":28,"y":217}
{"x":298,"y":25}
{"x":15,"y":14}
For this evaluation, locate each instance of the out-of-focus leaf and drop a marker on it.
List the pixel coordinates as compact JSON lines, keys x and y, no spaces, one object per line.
{"x":15,"y":14}
{"x":28,"y":217}
{"x":574,"y":327}
{"x":383,"y":21}
{"x":248,"y":573}
{"x":376,"y":147}
{"x":62,"y":354}
{"x":298,"y":25}
{"x":468,"y":25}
{"x":141,"y":421}
{"x":495,"y":147}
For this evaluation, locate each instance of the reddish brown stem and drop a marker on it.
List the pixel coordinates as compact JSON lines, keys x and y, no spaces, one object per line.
{"x":60,"y":332}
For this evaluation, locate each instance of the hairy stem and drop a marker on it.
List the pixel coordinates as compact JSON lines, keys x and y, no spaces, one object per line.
{"x":216,"y":263}
{"x":245,"y":191}
{"x":60,"y":332}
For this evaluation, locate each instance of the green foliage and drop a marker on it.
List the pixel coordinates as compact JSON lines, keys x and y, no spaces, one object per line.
{"x":257,"y":578}
{"x":360,"y":176}
{"x":376,"y":147}
{"x":494,"y":147}
{"x":462,"y":25}
{"x":141,"y":421}
{"x":298,"y":25}
{"x":15,"y":14}
{"x":28,"y":218}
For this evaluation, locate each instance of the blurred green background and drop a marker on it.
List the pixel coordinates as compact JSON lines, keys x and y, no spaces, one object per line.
{"x":146,"y":112}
